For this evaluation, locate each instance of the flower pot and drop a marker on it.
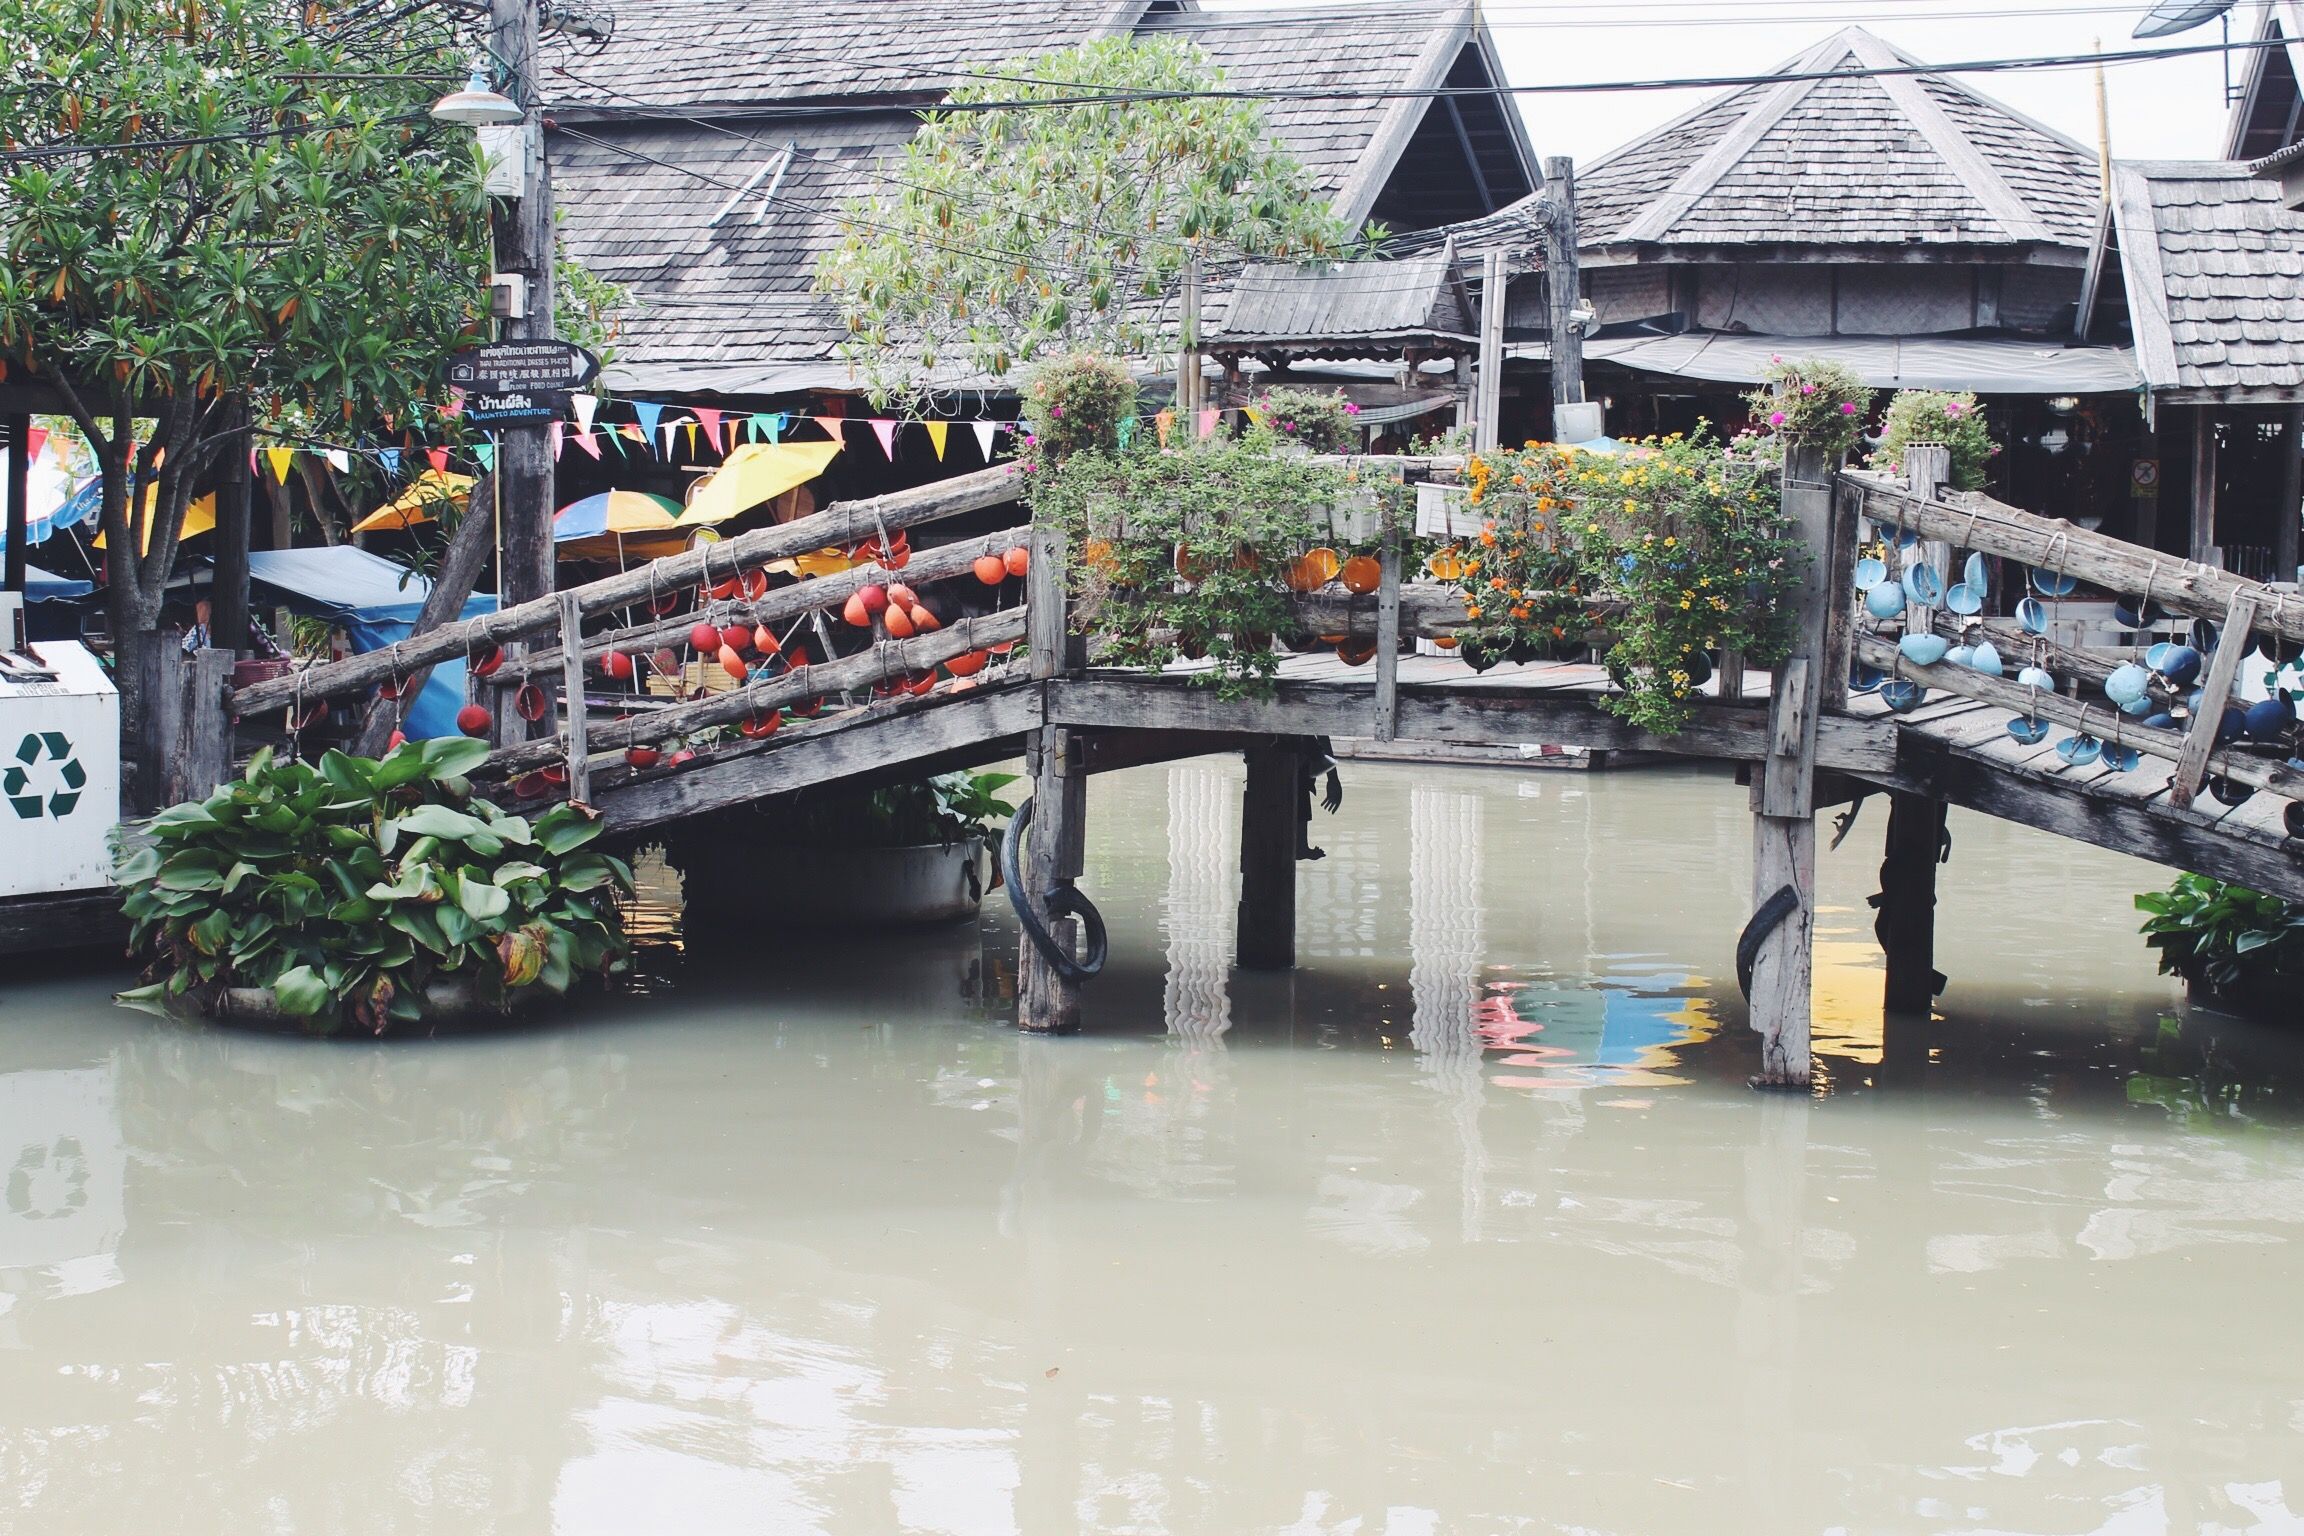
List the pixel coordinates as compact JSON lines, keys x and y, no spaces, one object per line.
{"x":1357,"y":518}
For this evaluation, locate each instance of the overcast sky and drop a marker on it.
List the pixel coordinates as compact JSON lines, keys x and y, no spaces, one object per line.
{"x":2165,"y":109}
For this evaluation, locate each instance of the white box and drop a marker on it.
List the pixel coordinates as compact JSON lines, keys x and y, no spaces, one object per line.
{"x":59,"y":775}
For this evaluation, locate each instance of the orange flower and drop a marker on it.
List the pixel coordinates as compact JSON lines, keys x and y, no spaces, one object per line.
{"x":1471,"y":610}
{"x":1496,"y":583}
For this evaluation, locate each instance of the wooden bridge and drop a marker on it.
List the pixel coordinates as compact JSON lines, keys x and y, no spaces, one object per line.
{"x":1804,"y":739}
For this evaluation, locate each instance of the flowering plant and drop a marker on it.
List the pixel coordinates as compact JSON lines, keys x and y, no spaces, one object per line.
{"x":1077,"y":403}
{"x":1938,"y":416}
{"x":1675,"y":549}
{"x":1319,"y":419}
{"x":1814,"y":401}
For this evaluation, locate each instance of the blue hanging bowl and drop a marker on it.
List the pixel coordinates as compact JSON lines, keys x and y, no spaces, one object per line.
{"x":1964,"y":599}
{"x":1923,"y":650}
{"x":2127,"y":684}
{"x":1986,"y":660}
{"x":2033,"y":615}
{"x":2121,"y":759}
{"x":1870,"y":573}
{"x":2027,"y":730}
{"x":1884,"y":599}
{"x":2180,"y":664}
{"x":2079,"y":750}
{"x":1977,"y":574}
{"x":2037,"y":678}
{"x":2053,"y":583}
{"x":1923,"y":586}
{"x":1863,"y":679}
{"x":1960,"y":656}
{"x":2269,"y":719}
{"x":1901,"y":694}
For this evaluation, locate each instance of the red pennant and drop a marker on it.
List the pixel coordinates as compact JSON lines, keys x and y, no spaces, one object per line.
{"x":711,"y":422}
{"x":589,"y":442}
{"x":35,"y":439}
{"x":439,"y":460}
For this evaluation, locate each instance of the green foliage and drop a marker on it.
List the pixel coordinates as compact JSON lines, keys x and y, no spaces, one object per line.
{"x":1814,"y":401}
{"x":2225,"y":936}
{"x":1675,"y":549}
{"x":350,"y":887}
{"x":1006,"y":236}
{"x":1185,"y":551}
{"x":1079,"y":402}
{"x":1319,"y":419}
{"x":1953,"y":419}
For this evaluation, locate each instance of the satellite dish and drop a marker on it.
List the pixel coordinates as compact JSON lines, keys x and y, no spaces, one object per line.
{"x":2170,"y":17}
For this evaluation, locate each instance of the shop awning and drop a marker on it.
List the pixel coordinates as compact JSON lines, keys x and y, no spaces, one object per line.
{"x":351,"y":585}
{"x":46,"y":587}
{"x":1990,"y":365}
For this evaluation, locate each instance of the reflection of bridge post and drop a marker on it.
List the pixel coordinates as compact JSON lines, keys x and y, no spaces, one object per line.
{"x":1907,"y":903}
{"x":1768,"y":1305}
{"x":1446,"y":943}
{"x":1197,"y":1004}
{"x":1060,"y":1108}
{"x":1271,"y":820}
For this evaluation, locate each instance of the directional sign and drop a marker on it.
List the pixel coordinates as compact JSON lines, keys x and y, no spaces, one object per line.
{"x":489,"y":406}
{"x":504,"y":367}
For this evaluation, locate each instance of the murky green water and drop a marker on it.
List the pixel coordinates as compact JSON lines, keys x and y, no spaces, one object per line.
{"x":1468,"y":1225}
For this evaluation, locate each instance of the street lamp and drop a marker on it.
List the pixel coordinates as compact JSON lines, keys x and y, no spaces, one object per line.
{"x":477,"y":105}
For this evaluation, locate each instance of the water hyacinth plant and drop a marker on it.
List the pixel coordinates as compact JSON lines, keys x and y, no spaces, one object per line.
{"x":366,"y":894}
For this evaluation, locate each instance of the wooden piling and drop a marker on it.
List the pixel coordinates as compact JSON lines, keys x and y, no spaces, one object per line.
{"x":1048,"y":1002}
{"x":1271,"y":817}
{"x":1927,"y":471}
{"x":1907,"y":902}
{"x":1784,"y":828}
{"x":572,"y":697}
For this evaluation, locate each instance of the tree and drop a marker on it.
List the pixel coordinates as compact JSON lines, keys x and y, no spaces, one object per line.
{"x":205,"y":202}
{"x":1010,"y":231}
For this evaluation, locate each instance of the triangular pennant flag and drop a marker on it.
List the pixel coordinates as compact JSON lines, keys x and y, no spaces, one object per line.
{"x":584,"y":406}
{"x":1164,"y":419}
{"x":937,"y":431}
{"x":486,"y":454}
{"x":885,"y":430}
{"x":648,"y":413}
{"x":280,"y":459}
{"x":776,"y":427}
{"x":690,"y":424}
{"x":252,"y":453}
{"x":984,"y":433}
{"x":667,"y":430}
{"x":35,"y":439}
{"x":339,"y":460}
{"x":1253,"y":413}
{"x":455,"y":405}
{"x":755,"y":425}
{"x":559,"y":437}
{"x":390,"y":459}
{"x":832,"y":426}
{"x":1127,"y":431}
{"x":711,"y":420}
{"x":439,"y":460}
{"x":589,"y":442}
{"x":615,"y":436}
{"x":1208,"y":423}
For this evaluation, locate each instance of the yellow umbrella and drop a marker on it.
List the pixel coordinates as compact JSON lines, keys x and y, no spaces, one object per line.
{"x":200,"y":517}
{"x":754,"y":474}
{"x":420,"y":503}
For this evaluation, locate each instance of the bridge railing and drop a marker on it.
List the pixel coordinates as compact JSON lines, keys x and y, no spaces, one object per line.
{"x":2240,"y":609}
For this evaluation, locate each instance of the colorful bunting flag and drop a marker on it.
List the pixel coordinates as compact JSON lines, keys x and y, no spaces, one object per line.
{"x":832,"y":426}
{"x":339,"y":461}
{"x":711,"y":420}
{"x":584,"y":406}
{"x":559,"y":437}
{"x":390,"y":459}
{"x":885,"y":430}
{"x":589,"y":442}
{"x":667,"y":430}
{"x":1253,"y":413}
{"x":438,"y":457}
{"x":984,"y":433}
{"x":615,"y":436}
{"x":486,"y":454}
{"x":937,"y":431}
{"x":1208,"y":423}
{"x":1164,"y":419}
{"x":455,"y":405}
{"x":690,"y":424}
{"x":35,"y":439}
{"x":1127,"y":431}
{"x":648,"y":413}
{"x":280,"y":458}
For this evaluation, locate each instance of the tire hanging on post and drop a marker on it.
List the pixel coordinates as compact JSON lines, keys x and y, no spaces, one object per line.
{"x":1065,"y":901}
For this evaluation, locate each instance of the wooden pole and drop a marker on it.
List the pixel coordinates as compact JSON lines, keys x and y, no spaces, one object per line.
{"x":2288,"y":512}
{"x":235,"y":513}
{"x":1564,"y":280}
{"x":1927,"y":470}
{"x":1907,"y":902}
{"x":207,"y":731}
{"x":1784,"y":828}
{"x":1046,"y":1000}
{"x":2201,"y":547}
{"x":1271,"y":812}
{"x":572,"y":697}
{"x":2232,"y":643}
{"x":1488,"y":401}
{"x":1188,"y":351}
{"x":1388,"y":635}
{"x":19,"y":508}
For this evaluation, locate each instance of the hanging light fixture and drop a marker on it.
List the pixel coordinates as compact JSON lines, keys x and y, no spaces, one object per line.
{"x":477,"y":105}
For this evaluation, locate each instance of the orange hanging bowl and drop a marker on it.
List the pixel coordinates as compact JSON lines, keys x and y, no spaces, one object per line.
{"x":1362,"y":575}
{"x":1356,"y":653}
{"x":1312,"y":570}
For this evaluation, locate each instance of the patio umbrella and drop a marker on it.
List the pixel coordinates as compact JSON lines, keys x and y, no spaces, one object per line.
{"x":755,"y":474}
{"x":615,"y":512}
{"x":420,"y":503}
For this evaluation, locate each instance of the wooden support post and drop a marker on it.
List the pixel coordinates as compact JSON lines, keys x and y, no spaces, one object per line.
{"x":572,"y":697}
{"x":2215,"y":693}
{"x":1784,"y":830}
{"x":1907,"y":902}
{"x":235,"y":512}
{"x":1388,"y":635}
{"x":154,"y":754}
{"x":1488,"y":404}
{"x":205,"y":760}
{"x":1848,"y":530}
{"x":1048,"y":1002}
{"x":2200,"y":548}
{"x":2288,"y":510}
{"x":1271,"y":815}
{"x":1927,"y":470}
{"x":19,"y":505}
{"x":1188,"y":351}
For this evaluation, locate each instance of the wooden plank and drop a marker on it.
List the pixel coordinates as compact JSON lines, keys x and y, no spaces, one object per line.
{"x":579,"y":756}
{"x":1047,"y":628}
{"x":1975,"y":521}
{"x":1784,"y":854}
{"x":1927,"y":470}
{"x":1388,"y":636}
{"x":2099,"y":720}
{"x":2232,"y":643}
{"x":850,"y":523}
{"x":888,"y":742}
{"x":1493,"y":716}
{"x":207,"y":729}
{"x":65,"y":920}
{"x":1048,"y":1002}
{"x":2201,"y":539}
{"x":1787,"y":788}
{"x":1271,"y":805}
{"x":889,"y":658}
{"x":1488,"y":404}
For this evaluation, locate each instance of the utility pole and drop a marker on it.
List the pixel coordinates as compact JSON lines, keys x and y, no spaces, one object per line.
{"x":523,"y":230}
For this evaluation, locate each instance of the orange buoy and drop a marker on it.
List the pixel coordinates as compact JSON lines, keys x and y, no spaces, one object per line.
{"x":617,"y":665}
{"x":922,"y":620}
{"x":1312,"y":570}
{"x":731,"y":663}
{"x":1356,"y":653}
{"x":991,"y":570}
{"x":902,"y":596}
{"x":898,"y":622}
{"x":764,"y":641}
{"x":855,"y":612}
{"x":875,"y":598}
{"x":1018,"y":560}
{"x":968,"y":663}
{"x":763,"y":724}
{"x":473,"y":720}
{"x":703,"y":639}
{"x":643,"y":757}
{"x":1362,"y":574}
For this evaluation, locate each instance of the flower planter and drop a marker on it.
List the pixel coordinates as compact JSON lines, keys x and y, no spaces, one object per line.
{"x":1446,"y":511}
{"x":1357,"y":518}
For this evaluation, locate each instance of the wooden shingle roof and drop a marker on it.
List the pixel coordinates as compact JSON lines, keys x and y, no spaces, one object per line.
{"x":2212,"y":265}
{"x":1303,"y":307}
{"x":1861,"y":161}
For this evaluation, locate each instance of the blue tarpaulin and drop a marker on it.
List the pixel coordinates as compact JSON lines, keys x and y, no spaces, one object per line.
{"x":376,"y":602}
{"x":45,"y":586}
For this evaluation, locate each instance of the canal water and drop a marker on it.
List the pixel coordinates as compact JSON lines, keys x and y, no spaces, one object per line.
{"x":1467,"y":1225}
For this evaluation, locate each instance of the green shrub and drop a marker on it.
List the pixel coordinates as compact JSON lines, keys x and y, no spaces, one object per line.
{"x":1076,"y":404}
{"x":349,"y":888}
{"x":1319,"y":419}
{"x":1953,"y":419}
{"x":1813,"y":401}
{"x":2226,"y":937}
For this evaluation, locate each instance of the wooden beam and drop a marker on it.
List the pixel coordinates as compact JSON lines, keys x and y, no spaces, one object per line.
{"x":1564,"y":279}
{"x":206,"y":760}
{"x":2201,"y":544}
{"x":1489,"y":403}
{"x":2288,"y":503}
{"x":2232,"y":643}
{"x":1047,"y":1001}
{"x":1271,"y":810}
{"x":1927,"y":472}
{"x":839,"y":526}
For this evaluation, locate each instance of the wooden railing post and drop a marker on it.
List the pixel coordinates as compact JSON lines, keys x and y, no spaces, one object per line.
{"x":1047,"y":1001}
{"x":1271,"y":819}
{"x":1781,"y":937}
{"x":1387,"y":636}
{"x":2232,"y":643}
{"x":204,"y":754}
{"x":572,"y":697}
{"x":1927,"y":470}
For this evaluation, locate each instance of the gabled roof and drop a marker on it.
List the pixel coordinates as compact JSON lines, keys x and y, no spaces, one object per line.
{"x":2265,"y":115}
{"x":1861,"y":161}
{"x":2212,"y":266}
{"x":1301,"y":307}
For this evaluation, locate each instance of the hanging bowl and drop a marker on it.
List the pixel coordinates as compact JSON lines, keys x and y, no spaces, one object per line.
{"x":2033,"y":615}
{"x":2027,"y":730}
{"x":2079,"y":750}
{"x":1923,"y":650}
{"x":1964,"y":599}
{"x":1923,"y":586}
{"x":2053,"y":583}
{"x":1884,"y":599}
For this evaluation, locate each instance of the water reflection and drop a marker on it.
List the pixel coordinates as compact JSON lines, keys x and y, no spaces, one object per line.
{"x":1467,"y":1225}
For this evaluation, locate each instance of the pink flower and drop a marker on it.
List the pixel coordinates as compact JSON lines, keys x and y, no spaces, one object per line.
{"x":1055,"y":410}
{"x":1807,"y":389}
{"x":1847,"y":407}
{"x":1775,"y":418}
{"x":1952,"y":408}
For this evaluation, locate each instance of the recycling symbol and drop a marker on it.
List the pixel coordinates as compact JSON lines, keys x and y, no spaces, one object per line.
{"x":44,"y":777}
